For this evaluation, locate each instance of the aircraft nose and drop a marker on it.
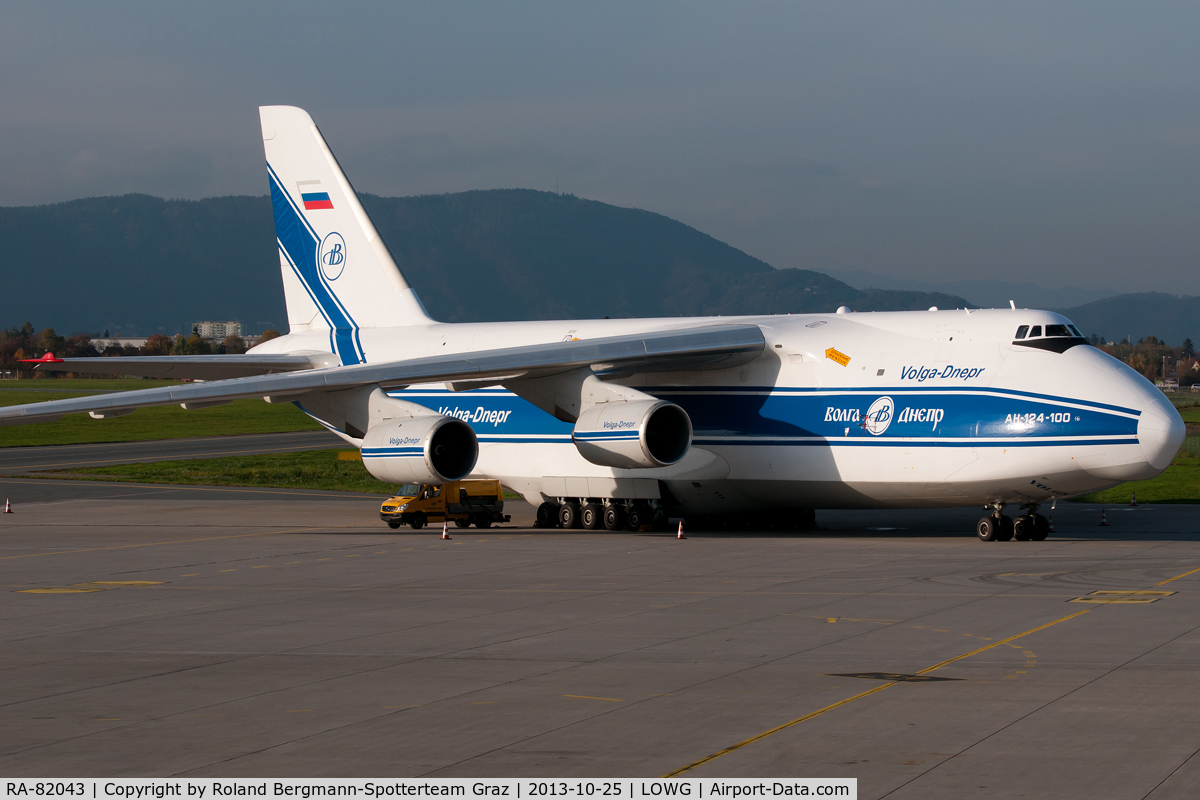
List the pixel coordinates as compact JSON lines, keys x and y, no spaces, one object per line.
{"x":1160,"y":431}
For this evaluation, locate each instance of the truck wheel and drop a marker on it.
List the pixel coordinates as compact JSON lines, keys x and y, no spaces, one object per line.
{"x":483,"y":520}
{"x":418,"y":521}
{"x":393,"y":525}
{"x":613,"y":518}
{"x":547,"y":515}
{"x":568,"y":515}
{"x":462,"y":523}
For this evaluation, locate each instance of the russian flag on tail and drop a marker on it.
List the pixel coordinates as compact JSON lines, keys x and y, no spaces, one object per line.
{"x":313,"y":195}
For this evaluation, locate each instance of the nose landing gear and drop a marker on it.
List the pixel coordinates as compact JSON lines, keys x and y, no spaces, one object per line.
{"x":1029,"y":527}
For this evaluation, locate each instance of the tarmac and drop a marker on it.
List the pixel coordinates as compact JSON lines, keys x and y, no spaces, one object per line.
{"x":204,"y":631}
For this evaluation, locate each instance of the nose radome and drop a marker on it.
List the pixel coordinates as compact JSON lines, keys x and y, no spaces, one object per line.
{"x":1160,"y":431}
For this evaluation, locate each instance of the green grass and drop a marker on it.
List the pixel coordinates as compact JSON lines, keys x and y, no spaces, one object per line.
{"x":312,"y":469}
{"x":1179,"y":484}
{"x":158,"y":422}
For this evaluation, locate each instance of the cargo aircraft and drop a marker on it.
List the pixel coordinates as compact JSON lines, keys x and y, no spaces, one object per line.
{"x":622,"y":423}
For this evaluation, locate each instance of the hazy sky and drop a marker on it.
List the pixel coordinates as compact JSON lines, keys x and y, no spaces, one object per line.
{"x":1050,"y":143}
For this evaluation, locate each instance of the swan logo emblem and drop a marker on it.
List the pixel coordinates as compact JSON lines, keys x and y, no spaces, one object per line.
{"x":879,"y":416}
{"x":332,"y":256}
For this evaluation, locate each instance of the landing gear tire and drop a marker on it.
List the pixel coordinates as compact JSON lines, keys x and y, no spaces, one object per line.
{"x":568,"y":515}
{"x":635,"y":519}
{"x":393,"y":525}
{"x":613,"y":518}
{"x":1023,"y":528}
{"x":659,"y":520}
{"x":462,"y":523}
{"x":986,"y":529}
{"x":483,"y":520}
{"x":418,"y":521}
{"x":547,"y":515}
{"x":591,"y":516}
{"x":1004,"y":533}
{"x":1041,"y":528}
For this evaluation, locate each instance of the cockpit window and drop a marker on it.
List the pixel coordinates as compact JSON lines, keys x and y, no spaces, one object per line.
{"x":1037,"y":331}
{"x":1075,"y":331}
{"x":1057,"y":330}
{"x":1021,"y":331}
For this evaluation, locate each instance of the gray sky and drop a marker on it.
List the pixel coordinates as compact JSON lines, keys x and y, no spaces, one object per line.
{"x":1050,"y":143}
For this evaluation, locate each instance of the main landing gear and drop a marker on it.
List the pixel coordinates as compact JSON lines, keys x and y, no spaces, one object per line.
{"x":595,"y":513}
{"x":1029,"y":527}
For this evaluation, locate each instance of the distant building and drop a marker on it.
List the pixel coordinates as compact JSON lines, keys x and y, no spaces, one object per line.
{"x":216,"y":330}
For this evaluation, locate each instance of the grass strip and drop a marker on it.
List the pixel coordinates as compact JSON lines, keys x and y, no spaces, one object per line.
{"x":1179,"y":484}
{"x":157,"y":422}
{"x":309,"y":469}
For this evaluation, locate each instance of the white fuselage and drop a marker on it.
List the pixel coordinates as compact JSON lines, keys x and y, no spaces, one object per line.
{"x":857,"y":410}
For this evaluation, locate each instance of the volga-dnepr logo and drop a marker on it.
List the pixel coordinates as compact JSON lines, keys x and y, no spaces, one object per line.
{"x":332,"y":256}
{"x":879,"y":416}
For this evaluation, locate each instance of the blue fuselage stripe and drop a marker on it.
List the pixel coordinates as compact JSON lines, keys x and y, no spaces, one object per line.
{"x":834,"y":417}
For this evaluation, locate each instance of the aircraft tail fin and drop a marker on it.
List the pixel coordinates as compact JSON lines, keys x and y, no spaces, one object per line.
{"x":337,"y":272}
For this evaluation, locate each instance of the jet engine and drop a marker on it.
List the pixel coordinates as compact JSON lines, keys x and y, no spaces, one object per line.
{"x":631,"y":435}
{"x":431,"y":448}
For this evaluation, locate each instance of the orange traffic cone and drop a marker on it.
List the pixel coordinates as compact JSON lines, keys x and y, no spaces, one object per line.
{"x":680,"y":534}
{"x":7,"y":506}
{"x":1133,"y":500}
{"x":1103,"y":519}
{"x":445,"y":530}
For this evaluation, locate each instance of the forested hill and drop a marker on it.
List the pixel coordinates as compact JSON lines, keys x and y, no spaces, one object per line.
{"x":139,"y":265}
{"x":1168,"y":317}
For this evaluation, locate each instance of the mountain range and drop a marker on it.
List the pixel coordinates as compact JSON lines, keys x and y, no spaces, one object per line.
{"x":137,"y":265}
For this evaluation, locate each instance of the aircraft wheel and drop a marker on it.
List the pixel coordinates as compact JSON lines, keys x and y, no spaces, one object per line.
{"x":483,"y":520}
{"x":547,"y":515}
{"x":986,"y":529}
{"x":393,"y":525}
{"x":591,"y":516}
{"x":635,"y":519}
{"x":1004,"y":532}
{"x":418,"y":521}
{"x":1041,"y":528}
{"x":659,"y":520}
{"x":1023,"y":528}
{"x":462,"y":523}
{"x":613,"y":518}
{"x":568,"y":515}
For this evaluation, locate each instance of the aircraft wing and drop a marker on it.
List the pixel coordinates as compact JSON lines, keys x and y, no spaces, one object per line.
{"x":710,"y":346}
{"x":205,"y":368}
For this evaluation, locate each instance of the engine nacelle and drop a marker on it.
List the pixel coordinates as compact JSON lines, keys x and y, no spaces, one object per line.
{"x":633,"y":434}
{"x":424,"y":449}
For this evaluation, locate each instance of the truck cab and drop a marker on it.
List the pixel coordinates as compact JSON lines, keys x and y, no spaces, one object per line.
{"x":464,"y":502}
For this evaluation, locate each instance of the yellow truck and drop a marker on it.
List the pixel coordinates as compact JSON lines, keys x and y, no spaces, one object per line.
{"x":480,"y":502}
